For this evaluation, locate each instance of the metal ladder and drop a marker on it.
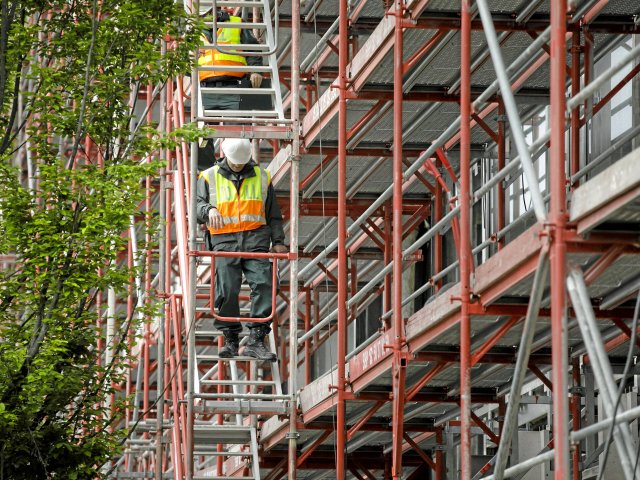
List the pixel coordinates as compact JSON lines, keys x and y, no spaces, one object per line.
{"x":229,"y":401}
{"x":230,"y":397}
{"x":274,"y":116}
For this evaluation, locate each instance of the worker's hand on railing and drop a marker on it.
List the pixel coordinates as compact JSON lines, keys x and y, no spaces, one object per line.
{"x":279,"y":249}
{"x":256,"y":80}
{"x":215,"y":219}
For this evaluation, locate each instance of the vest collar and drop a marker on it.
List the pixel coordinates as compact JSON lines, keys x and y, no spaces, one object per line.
{"x":246,"y":172}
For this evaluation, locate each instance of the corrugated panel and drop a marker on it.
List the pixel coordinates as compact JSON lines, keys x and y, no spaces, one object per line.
{"x":621,"y":7}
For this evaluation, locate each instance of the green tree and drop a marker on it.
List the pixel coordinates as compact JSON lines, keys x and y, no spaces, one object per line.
{"x":73,"y":158}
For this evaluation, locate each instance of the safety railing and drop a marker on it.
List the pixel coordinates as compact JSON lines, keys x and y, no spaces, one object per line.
{"x":244,"y":255}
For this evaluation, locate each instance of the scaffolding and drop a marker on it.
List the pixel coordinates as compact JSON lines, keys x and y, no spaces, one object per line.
{"x":442,"y":170}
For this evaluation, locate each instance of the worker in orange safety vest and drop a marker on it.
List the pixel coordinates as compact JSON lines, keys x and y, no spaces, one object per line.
{"x":233,"y":77}
{"x":236,"y":200}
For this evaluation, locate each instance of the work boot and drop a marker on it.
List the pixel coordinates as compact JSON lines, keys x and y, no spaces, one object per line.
{"x":255,"y":346}
{"x":231,"y":344}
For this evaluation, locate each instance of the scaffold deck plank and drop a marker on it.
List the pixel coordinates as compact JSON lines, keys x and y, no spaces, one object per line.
{"x":611,"y":196}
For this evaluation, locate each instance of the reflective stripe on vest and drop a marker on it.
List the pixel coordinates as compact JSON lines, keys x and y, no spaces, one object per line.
{"x":242,"y":212}
{"x":213,"y":57}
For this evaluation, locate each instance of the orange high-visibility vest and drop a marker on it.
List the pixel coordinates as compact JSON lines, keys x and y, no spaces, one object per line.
{"x":212,"y":57}
{"x":241,"y":211}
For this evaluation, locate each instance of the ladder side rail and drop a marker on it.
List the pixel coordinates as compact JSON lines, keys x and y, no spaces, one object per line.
{"x":233,"y":367}
{"x":275,"y":371}
{"x":255,"y":464}
{"x":273,"y":61}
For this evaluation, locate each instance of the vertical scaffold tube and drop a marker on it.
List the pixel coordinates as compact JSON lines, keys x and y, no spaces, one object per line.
{"x":162,"y":288}
{"x":465,"y":246}
{"x":343,"y":47}
{"x":293,"y":230}
{"x":192,"y":273}
{"x":558,"y":246}
{"x":399,"y":362}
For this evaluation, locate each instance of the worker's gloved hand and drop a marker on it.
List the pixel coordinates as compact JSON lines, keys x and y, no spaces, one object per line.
{"x":279,"y":249}
{"x":215,"y":219}
{"x":256,"y":80}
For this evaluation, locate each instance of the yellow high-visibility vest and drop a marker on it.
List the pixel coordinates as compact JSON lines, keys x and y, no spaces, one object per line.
{"x":241,"y":211}
{"x":212,"y":57}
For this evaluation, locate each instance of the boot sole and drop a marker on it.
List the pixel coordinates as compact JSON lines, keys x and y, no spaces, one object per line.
{"x":270,"y":358}
{"x":228,"y":355}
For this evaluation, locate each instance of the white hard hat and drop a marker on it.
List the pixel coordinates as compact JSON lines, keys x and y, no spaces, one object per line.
{"x":237,"y":150}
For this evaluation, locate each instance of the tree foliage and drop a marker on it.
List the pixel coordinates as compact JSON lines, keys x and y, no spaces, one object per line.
{"x":72,"y":161}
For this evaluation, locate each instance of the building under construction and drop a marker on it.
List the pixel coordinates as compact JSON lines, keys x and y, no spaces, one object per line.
{"x":461,"y":190}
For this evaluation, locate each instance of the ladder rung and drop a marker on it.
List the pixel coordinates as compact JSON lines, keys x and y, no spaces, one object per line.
{"x":249,"y":131}
{"x":238,"y":91}
{"x":256,"y":407}
{"x":272,"y":125}
{"x":235,"y":68}
{"x":237,"y":382}
{"x":240,"y":48}
{"x":242,"y":396}
{"x":221,"y":434}
{"x":246,"y":114}
{"x":243,"y":25}
{"x":238,"y":3}
{"x":196,"y":477}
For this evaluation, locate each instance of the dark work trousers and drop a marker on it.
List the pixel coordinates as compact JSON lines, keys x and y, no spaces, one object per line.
{"x":228,"y":281}
{"x":220,"y":102}
{"x":212,"y":101}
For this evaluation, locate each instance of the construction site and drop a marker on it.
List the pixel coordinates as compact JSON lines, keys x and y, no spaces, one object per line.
{"x":459,"y":297}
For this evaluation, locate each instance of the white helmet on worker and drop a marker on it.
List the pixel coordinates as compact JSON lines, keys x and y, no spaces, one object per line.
{"x":236,"y":150}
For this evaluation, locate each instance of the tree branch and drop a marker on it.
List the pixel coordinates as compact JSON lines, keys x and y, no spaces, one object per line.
{"x":87,"y":77}
{"x":7,"y":14}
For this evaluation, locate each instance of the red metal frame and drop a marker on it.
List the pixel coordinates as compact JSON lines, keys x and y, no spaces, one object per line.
{"x":464,"y":245}
{"x":342,"y":239}
{"x":401,"y":339}
{"x":558,"y":223}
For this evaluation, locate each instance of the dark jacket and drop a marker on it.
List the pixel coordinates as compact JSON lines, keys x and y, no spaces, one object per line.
{"x":258,"y":240}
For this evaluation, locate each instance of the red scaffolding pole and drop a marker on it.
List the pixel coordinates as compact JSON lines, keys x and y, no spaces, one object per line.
{"x":558,"y":247}
{"x":342,"y":240}
{"x":464,"y":253}
{"x":400,"y":357}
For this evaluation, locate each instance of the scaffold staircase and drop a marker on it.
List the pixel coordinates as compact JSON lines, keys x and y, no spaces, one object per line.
{"x":245,"y":117}
{"x":231,"y":397}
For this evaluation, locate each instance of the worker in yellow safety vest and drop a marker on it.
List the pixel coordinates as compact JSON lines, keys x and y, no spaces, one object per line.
{"x":231,"y":78}
{"x":236,"y":200}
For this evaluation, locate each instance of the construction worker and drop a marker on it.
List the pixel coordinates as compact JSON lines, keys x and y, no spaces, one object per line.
{"x":231,"y":78}
{"x":236,"y":200}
